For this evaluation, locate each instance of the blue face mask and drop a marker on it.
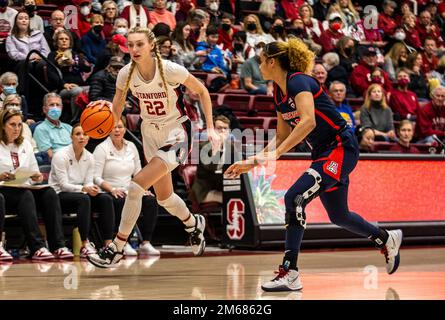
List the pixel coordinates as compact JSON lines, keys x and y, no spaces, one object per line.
{"x":54,"y":113}
{"x":9,"y":90}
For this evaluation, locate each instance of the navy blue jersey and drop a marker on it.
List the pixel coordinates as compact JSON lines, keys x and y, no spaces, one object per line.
{"x":328,"y":120}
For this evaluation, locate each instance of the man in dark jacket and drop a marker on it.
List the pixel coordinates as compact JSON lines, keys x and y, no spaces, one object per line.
{"x":103,"y":83}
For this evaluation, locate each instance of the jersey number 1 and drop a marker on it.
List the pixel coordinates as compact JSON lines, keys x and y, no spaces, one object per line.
{"x":155,"y":109}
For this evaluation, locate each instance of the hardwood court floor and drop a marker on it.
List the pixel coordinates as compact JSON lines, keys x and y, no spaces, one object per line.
{"x":337,"y":274}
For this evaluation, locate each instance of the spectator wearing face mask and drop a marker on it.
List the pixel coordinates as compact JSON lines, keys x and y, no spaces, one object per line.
{"x":360,"y":78}
{"x":120,"y":26}
{"x":277,"y":30}
{"x":213,"y":9}
{"x":137,"y":15}
{"x":35,"y":21}
{"x":241,"y":50}
{"x":254,"y":31}
{"x":51,"y":135}
{"x":83,"y":17}
{"x":93,"y":43}
{"x":8,"y":85}
{"x":346,"y":50}
{"x":226,"y":31}
{"x":403,"y":102}
{"x":333,"y":34}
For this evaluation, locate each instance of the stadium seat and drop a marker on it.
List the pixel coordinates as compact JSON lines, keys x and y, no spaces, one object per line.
{"x":264,"y":105}
{"x":355,"y":103}
{"x":217,"y":99}
{"x":200,"y":75}
{"x":241,"y":104}
{"x":252,"y":123}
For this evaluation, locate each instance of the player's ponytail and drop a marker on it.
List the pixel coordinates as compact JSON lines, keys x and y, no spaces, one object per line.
{"x":293,"y":55}
{"x":127,"y":83}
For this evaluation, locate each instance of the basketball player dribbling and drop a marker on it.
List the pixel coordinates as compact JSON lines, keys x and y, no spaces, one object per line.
{"x":166,"y":132}
{"x":304,"y":111}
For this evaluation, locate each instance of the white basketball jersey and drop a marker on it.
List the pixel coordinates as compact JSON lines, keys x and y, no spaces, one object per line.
{"x":152,"y":94}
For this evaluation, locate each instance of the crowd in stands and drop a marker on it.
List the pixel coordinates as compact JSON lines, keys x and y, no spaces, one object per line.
{"x":384,"y":69}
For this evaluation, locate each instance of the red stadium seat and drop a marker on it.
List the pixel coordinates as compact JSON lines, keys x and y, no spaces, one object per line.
{"x":355,"y":103}
{"x":200,"y":75}
{"x":241,"y":104}
{"x":217,"y":99}
{"x":252,"y":123}
{"x":264,"y":105}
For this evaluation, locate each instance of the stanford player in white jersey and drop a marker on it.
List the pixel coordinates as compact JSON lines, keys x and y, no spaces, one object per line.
{"x":166,"y":137}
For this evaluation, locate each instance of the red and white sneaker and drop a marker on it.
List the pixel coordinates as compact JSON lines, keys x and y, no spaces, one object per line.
{"x":63,"y":253}
{"x":4,"y":255}
{"x":42,"y":254}
{"x":87,"y":250}
{"x":286,"y":280}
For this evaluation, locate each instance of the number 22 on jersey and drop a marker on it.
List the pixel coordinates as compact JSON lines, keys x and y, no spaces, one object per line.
{"x":155,"y":108}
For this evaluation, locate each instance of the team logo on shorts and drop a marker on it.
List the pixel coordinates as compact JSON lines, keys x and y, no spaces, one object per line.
{"x":333,"y":167}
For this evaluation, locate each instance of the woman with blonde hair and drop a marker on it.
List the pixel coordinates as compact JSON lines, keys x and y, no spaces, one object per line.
{"x":375,"y":113}
{"x":254,"y":31}
{"x":395,"y":58}
{"x":335,"y":153}
{"x":166,"y":131}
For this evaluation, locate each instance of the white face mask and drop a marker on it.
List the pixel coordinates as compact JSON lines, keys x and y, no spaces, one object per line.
{"x":122,"y":31}
{"x":214,"y":6}
{"x":400,"y":36}
{"x":85,"y":10}
{"x":258,"y":51}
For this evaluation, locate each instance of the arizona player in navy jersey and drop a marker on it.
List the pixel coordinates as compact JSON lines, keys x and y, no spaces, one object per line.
{"x":304,"y":111}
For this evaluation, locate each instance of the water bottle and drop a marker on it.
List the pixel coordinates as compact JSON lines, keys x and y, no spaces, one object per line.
{"x":134,"y":240}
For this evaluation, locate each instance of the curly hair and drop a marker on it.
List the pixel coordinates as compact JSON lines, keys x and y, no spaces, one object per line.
{"x":293,"y":55}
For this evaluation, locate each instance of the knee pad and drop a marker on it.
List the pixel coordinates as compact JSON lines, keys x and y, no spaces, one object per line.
{"x":301,"y":200}
{"x":170,"y":202}
{"x":135,"y":191}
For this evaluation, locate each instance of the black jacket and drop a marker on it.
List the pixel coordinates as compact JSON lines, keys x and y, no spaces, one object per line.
{"x":102,"y":86}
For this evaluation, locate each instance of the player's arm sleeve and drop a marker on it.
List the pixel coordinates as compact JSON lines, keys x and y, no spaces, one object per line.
{"x":175,"y":73}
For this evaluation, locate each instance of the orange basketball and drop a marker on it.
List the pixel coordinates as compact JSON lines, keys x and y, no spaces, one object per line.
{"x":97,"y":122}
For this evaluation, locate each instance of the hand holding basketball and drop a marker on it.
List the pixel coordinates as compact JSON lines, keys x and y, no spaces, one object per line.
{"x":97,"y":119}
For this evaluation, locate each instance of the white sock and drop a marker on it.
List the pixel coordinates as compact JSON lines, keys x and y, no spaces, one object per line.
{"x":130,"y":212}
{"x":120,"y":244}
{"x":176,"y":207}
